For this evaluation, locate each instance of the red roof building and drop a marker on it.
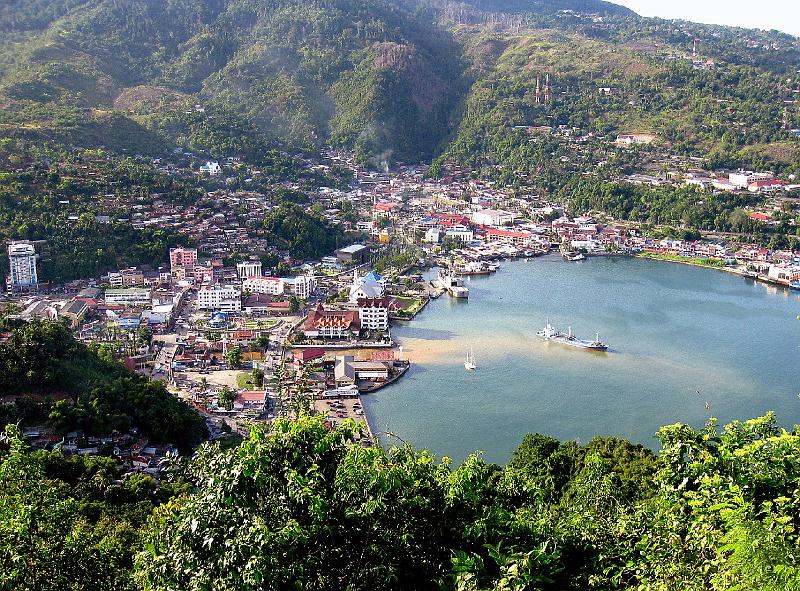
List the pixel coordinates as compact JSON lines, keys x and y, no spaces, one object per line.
{"x":331,"y":324}
{"x":512,"y":236}
{"x":308,"y":355}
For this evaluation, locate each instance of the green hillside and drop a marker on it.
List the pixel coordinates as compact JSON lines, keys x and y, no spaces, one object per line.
{"x":729,"y":112}
{"x":363,"y":74}
{"x":392,"y":79}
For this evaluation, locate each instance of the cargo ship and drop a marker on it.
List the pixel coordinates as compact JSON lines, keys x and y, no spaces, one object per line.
{"x":548,"y":333}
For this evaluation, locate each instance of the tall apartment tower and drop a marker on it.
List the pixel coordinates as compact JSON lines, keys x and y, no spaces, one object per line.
{"x":22,"y":260}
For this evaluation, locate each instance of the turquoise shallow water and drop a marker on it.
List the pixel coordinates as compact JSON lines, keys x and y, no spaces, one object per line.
{"x":673,"y":330}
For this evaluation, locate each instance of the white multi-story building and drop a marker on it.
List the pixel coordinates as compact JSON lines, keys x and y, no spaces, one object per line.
{"x":374,"y":313}
{"x":248,"y":269}
{"x":432,"y":235}
{"x":301,"y":286}
{"x":493,"y":217}
{"x":222,"y":298}
{"x":22,"y":260}
{"x":743,"y":179}
{"x":212,"y":168}
{"x":266,"y":285}
{"x":131,"y":296}
{"x":460,"y":233}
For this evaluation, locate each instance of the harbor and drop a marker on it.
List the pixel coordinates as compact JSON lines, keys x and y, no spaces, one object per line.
{"x":673,"y":330}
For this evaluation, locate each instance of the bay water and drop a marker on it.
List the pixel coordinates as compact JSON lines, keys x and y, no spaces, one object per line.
{"x":685,"y":343}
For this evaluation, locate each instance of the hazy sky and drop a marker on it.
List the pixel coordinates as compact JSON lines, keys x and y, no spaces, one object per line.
{"x":783,"y":15}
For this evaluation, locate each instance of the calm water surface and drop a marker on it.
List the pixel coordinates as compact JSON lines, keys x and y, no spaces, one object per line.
{"x":672,"y":329}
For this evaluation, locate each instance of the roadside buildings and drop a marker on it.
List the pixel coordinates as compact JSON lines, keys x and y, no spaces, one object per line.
{"x":514,"y":237}
{"x":347,"y":371}
{"x":784,"y":273}
{"x":493,"y":217}
{"x":250,"y":400}
{"x":264,"y":285}
{"x":301,"y":286}
{"x":742,"y":180}
{"x":183,"y":257}
{"x":370,"y":285}
{"x":128,"y":296}
{"x":355,"y":253}
{"x":331,"y":324}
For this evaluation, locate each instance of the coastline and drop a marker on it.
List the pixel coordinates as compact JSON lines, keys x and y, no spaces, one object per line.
{"x":724,"y":268}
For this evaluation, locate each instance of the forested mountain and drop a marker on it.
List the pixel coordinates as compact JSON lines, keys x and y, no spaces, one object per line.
{"x":392,"y":79}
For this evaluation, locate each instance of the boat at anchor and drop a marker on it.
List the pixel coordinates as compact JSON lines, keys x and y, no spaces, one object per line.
{"x":469,"y":361}
{"x":549,"y":333}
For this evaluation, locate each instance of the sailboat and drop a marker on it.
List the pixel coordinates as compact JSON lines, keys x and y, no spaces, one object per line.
{"x":469,"y":361}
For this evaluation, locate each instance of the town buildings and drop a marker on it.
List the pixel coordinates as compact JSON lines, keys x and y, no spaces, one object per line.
{"x":301,"y":286}
{"x":370,"y":285}
{"x":265,"y":285}
{"x":355,"y":253}
{"x":331,"y":324}
{"x":183,"y":257}
{"x":493,"y":217}
{"x":128,"y":296}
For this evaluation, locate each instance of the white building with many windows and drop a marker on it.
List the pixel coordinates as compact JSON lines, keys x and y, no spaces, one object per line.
{"x":128,"y":296}
{"x":493,"y":217}
{"x":266,"y":285}
{"x":374,"y":313}
{"x":22,"y":260}
{"x":460,"y":233}
{"x":222,"y":298}
{"x":301,"y":286}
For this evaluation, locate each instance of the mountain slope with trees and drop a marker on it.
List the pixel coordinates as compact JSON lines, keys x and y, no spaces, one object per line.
{"x":391,"y":79}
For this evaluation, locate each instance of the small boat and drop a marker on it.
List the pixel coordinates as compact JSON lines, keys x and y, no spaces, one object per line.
{"x":549,"y":333}
{"x":469,"y":361}
{"x":573,"y":256}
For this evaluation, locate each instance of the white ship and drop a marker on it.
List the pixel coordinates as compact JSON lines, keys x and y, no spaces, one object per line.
{"x":469,"y":361}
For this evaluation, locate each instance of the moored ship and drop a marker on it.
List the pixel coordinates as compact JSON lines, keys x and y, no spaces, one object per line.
{"x":453,"y":284}
{"x":549,"y":333}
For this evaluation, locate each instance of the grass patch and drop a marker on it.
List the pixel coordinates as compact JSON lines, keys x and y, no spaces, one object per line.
{"x":244,"y":381}
{"x":675,"y":258}
{"x":410,"y":305}
{"x":258,"y":324}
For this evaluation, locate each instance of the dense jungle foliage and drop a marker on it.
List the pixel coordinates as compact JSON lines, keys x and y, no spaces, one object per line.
{"x":47,"y":377}
{"x":299,"y":506}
